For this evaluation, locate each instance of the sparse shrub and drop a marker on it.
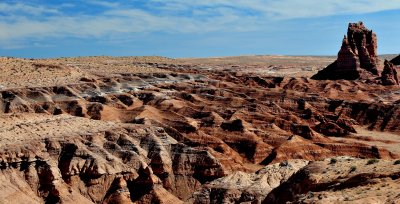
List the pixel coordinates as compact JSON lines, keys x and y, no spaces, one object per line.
{"x":333,"y":161}
{"x":353,"y":168}
{"x":372,"y":161}
{"x":397,"y":162}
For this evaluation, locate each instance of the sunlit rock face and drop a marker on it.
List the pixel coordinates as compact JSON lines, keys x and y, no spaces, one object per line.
{"x":357,"y":54}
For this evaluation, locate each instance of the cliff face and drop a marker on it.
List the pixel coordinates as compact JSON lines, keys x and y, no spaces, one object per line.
{"x":358,"y":53}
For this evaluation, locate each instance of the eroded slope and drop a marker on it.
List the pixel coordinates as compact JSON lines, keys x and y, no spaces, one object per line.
{"x":159,"y":131}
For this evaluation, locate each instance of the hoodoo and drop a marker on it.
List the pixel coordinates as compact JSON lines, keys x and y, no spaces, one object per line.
{"x":389,"y":74}
{"x":357,"y":55}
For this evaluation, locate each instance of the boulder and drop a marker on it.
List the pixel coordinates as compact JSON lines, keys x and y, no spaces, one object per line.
{"x":389,"y":74}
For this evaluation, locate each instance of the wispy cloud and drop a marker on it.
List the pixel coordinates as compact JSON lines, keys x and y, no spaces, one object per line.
{"x":20,"y":21}
{"x":25,"y":9}
{"x":104,"y":3}
{"x":289,"y":9}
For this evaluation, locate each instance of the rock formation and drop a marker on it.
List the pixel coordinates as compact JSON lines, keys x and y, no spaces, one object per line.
{"x":347,"y":59}
{"x":358,"y":53}
{"x":241,"y":187}
{"x":341,"y":180}
{"x":396,"y":60}
{"x":334,"y":180}
{"x":363,"y":42}
{"x":189,"y":135}
{"x":389,"y":74}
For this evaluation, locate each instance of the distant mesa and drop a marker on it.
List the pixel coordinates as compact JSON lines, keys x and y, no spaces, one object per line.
{"x":357,"y":57}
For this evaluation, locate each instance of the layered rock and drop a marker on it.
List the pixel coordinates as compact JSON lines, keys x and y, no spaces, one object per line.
{"x":389,"y":74}
{"x":363,"y":42}
{"x":333,"y":180}
{"x":341,"y":180}
{"x":358,"y":53}
{"x":347,"y":60}
{"x":87,"y":161}
{"x":199,"y":136}
{"x":241,"y":187}
{"x":347,"y":66}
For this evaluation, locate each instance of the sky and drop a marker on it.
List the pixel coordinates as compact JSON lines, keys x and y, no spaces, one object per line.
{"x":190,"y":28}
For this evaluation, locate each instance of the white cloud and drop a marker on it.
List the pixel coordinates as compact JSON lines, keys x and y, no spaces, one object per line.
{"x":25,"y":21}
{"x":104,"y":3}
{"x":289,"y":9}
{"x":20,"y":8}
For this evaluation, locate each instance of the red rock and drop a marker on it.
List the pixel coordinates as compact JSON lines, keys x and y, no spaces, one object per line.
{"x":347,"y":59}
{"x":389,"y":74}
{"x":235,"y":125}
{"x":331,"y":129}
{"x":363,"y":42}
{"x":191,"y":133}
{"x":339,"y":180}
{"x":358,"y":53}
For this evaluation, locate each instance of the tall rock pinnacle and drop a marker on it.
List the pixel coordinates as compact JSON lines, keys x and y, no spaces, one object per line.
{"x":363,"y":42}
{"x":358,"y":53}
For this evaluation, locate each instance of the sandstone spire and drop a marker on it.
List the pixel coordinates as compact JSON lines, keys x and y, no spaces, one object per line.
{"x":358,"y":53}
{"x":364,"y":43}
{"x":347,"y":59}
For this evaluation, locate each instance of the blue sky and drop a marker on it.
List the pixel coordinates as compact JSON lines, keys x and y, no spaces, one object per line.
{"x":183,"y":28}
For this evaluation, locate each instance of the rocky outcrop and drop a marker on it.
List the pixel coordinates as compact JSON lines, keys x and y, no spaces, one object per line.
{"x":345,"y":67}
{"x":363,"y":42}
{"x":201,"y":136}
{"x":396,"y":60}
{"x":358,"y":53}
{"x":332,"y":180}
{"x":347,"y":62}
{"x":331,"y":129}
{"x":341,"y":180}
{"x":241,"y":187}
{"x":114,"y":164}
{"x":389,"y":74}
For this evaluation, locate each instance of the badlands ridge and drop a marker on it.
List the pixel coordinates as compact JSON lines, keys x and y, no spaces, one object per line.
{"x":255,"y":129}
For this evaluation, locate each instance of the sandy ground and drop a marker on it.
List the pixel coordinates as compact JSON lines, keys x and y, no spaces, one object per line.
{"x":20,"y":128}
{"x":18,"y":73}
{"x":60,"y":71}
{"x":387,"y":140}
